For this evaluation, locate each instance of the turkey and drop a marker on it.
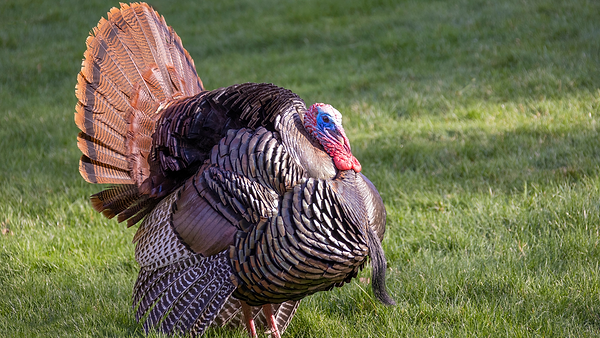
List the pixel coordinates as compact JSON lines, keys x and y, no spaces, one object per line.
{"x":248,"y":201}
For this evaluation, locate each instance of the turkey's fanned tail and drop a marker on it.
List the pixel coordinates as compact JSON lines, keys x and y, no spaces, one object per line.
{"x":134,"y":65}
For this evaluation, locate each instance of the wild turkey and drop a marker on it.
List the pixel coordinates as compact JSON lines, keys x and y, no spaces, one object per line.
{"x":249,"y":201}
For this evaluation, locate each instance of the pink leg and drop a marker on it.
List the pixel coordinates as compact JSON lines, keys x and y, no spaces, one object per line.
{"x":247,"y":311}
{"x":268,"y":311}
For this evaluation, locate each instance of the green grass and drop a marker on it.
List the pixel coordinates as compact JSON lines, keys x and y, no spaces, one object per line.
{"x":477,"y":121}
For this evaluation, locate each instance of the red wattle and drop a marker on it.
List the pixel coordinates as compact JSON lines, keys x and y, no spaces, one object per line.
{"x":356,"y":165}
{"x":347,"y":163}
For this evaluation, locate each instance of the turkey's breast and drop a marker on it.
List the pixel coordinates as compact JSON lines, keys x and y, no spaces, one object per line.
{"x":297,"y":234}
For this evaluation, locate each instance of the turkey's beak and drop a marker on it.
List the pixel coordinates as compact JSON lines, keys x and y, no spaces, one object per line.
{"x":339,"y":135}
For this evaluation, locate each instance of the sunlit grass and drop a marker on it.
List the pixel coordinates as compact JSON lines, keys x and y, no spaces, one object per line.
{"x":476,"y":120}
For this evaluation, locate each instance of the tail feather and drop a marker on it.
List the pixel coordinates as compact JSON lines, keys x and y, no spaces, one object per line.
{"x":89,"y":147}
{"x":135,"y":212}
{"x":134,"y":63}
{"x":115,"y":199}
{"x":109,"y":113}
{"x":98,"y":172}
{"x":124,"y":200}
{"x":188,"y":83}
{"x":94,"y":83}
{"x":99,"y":130}
{"x":132,"y":46}
{"x":153,"y":45}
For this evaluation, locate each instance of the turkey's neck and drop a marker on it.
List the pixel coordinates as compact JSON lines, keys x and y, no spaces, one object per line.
{"x":307,"y":152}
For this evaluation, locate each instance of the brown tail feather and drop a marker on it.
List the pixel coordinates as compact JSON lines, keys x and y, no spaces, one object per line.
{"x":138,"y":210}
{"x":125,"y":201}
{"x":134,"y":63}
{"x":97,"y":172}
{"x":115,"y":199}
{"x":94,"y":149}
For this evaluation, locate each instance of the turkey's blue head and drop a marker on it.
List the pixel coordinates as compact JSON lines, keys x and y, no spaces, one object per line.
{"x":324,"y":123}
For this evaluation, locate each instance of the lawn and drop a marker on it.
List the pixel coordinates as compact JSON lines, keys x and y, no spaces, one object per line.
{"x":476,"y":120}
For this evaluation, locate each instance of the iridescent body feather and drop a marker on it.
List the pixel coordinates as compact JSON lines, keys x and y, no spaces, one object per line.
{"x":247,"y":197}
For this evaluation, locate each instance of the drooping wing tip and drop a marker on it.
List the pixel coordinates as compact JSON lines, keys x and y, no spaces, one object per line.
{"x":379,"y":266}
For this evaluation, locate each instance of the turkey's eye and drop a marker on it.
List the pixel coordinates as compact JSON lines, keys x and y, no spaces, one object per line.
{"x":326,"y":119}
